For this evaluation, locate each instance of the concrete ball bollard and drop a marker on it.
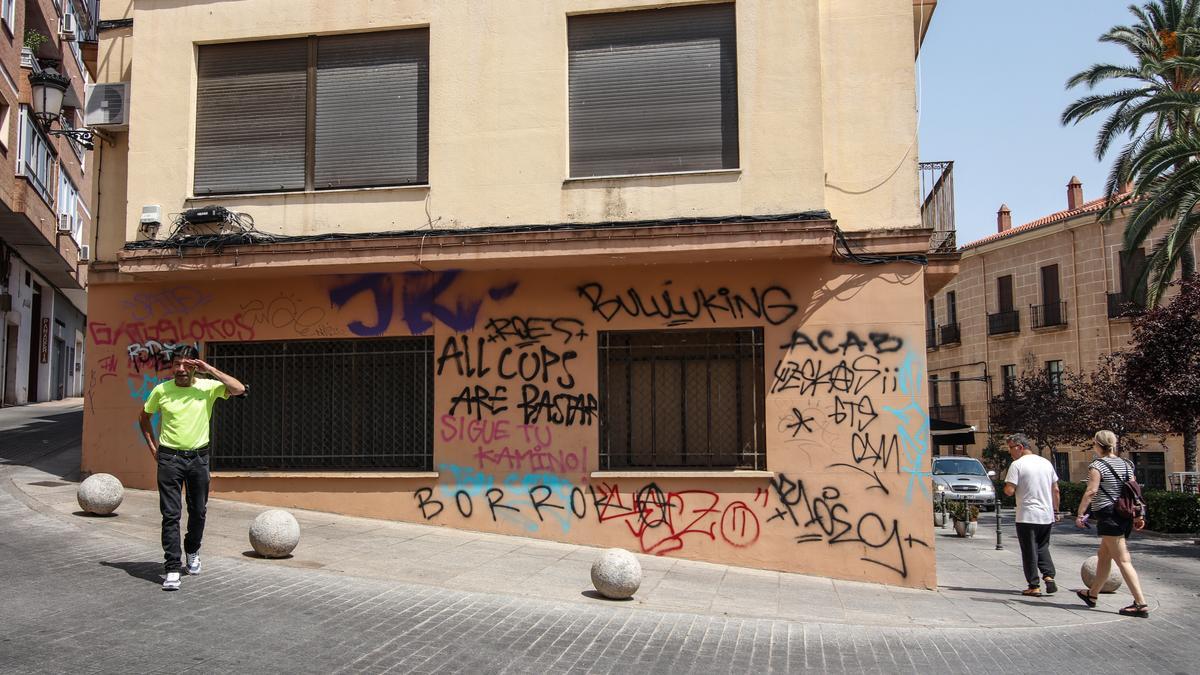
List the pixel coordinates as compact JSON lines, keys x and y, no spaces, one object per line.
{"x":274,"y":533}
{"x":1088,"y":573}
{"x":617,"y":574}
{"x":100,"y":494}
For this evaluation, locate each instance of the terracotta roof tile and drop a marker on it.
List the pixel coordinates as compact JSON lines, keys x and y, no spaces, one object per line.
{"x":1093,"y":206}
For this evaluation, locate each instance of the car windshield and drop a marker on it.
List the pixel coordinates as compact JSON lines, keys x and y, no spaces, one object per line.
{"x":969,"y":467}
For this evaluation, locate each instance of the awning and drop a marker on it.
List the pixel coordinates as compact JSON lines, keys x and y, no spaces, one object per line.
{"x":951,"y":433}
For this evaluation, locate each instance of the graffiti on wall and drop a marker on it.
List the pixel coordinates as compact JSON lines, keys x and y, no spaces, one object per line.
{"x":679,"y":306}
{"x":286,"y":311}
{"x":656,"y":520}
{"x":422,"y":298}
{"x":524,"y":363}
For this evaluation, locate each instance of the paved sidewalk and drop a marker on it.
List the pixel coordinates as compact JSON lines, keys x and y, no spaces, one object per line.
{"x":979,"y":585}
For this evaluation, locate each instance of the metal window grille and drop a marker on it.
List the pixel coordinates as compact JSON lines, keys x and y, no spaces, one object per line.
{"x":682,"y":399}
{"x":326,"y":404}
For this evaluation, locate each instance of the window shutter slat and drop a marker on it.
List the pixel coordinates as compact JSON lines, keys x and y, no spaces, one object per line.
{"x":250,"y":116}
{"x":653,"y":91}
{"x":372,"y":109}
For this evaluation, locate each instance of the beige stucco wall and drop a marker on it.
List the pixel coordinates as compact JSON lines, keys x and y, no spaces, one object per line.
{"x":845,"y":492}
{"x":826,"y":93}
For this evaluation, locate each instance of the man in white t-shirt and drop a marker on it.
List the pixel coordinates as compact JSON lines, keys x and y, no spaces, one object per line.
{"x":1033,"y":480}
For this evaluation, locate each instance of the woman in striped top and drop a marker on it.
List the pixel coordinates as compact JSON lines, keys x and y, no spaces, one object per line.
{"x":1106,"y":474}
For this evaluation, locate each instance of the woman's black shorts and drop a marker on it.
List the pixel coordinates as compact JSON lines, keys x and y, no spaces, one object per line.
{"x":1111,"y":524}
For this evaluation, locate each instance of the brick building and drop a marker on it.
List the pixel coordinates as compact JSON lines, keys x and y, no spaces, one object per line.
{"x":46,"y":201}
{"x":1051,"y":294}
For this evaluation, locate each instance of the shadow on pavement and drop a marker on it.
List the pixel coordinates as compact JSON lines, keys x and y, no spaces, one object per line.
{"x":89,"y":514}
{"x":148,"y":571}
{"x":597,"y":596}
{"x":46,"y":442}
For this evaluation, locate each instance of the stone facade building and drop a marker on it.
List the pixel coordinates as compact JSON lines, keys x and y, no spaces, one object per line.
{"x":635,"y":273}
{"x":1051,"y":294}
{"x":46,"y":203}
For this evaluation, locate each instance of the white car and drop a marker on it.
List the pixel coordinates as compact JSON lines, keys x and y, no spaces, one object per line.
{"x":963,"y":479}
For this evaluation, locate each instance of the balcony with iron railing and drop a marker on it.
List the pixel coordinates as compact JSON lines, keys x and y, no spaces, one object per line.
{"x":950,"y":334}
{"x":1123,"y":306}
{"x":1002,"y":323}
{"x":1050,"y":315}
{"x":937,"y":205}
{"x":931,"y":338}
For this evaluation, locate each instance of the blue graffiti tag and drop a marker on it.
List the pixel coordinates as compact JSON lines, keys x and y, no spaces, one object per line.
{"x":912,"y":425}
{"x":514,"y":498}
{"x":420,"y":301}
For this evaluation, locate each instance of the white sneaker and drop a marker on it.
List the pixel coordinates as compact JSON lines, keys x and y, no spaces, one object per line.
{"x":193,"y":564}
{"x":171,"y":583}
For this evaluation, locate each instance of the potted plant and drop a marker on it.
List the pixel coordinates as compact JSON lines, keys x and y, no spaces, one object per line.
{"x":33,"y":41}
{"x":965,"y":518}
{"x":939,"y":511}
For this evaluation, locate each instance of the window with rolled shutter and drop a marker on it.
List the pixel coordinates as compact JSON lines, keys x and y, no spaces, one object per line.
{"x":653,"y":91}
{"x":251,"y":117}
{"x":366,"y":123}
{"x":372,"y":109}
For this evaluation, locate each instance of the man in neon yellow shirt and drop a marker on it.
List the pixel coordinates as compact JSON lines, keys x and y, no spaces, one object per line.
{"x":181,"y":452}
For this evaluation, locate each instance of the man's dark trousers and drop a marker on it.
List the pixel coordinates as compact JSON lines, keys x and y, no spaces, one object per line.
{"x":174,"y":472}
{"x":1035,"y":551}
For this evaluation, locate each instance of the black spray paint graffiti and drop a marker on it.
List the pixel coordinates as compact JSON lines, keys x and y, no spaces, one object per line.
{"x":158,"y":355}
{"x":679,"y":307}
{"x":827,"y":342}
{"x":823,"y":517}
{"x":542,"y":372}
{"x":811,"y":377}
{"x":528,"y":330}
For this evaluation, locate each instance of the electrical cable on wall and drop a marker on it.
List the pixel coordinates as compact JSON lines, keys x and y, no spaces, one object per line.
{"x":841,"y":247}
{"x":237,"y":229}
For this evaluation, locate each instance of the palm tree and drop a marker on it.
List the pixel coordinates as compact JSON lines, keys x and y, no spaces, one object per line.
{"x":1156,"y":110}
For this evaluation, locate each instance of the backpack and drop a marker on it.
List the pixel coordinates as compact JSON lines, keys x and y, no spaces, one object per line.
{"x":1130,"y":503}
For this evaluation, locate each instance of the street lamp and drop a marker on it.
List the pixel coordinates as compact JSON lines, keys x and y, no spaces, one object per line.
{"x":49,"y":88}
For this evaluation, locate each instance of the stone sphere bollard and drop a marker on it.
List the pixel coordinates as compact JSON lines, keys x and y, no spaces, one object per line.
{"x":274,"y":533}
{"x":617,"y":574}
{"x":100,"y":494}
{"x":1088,"y":572}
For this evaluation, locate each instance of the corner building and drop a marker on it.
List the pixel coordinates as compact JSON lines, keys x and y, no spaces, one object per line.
{"x":589,"y":271}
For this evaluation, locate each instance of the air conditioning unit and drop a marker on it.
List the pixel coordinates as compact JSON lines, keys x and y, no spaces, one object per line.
{"x":65,"y":223}
{"x":68,"y":27}
{"x":85,"y":253}
{"x":107,"y":105}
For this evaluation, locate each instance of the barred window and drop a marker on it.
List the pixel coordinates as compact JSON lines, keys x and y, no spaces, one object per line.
{"x":326,"y":405}
{"x":682,"y":399}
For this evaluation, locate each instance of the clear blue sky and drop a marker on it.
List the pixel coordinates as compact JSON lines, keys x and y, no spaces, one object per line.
{"x":992,"y":76}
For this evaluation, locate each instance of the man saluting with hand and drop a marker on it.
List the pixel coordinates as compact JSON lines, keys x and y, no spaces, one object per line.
{"x":181,"y":452}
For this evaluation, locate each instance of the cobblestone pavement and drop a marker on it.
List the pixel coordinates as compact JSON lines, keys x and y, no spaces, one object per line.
{"x":82,"y":599}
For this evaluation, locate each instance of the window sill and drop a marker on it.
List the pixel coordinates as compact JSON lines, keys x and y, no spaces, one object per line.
{"x":325,"y":474}
{"x":733,"y":473}
{"x":240,"y":195}
{"x":1049,"y":329}
{"x":661,"y":174}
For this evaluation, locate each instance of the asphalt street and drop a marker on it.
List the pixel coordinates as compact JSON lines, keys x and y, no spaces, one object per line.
{"x":79,"y":599}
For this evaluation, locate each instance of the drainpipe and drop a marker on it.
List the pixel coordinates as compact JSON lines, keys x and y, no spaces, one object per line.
{"x":1075,"y":295}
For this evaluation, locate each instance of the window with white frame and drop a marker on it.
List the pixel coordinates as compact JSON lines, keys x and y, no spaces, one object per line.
{"x":69,"y":8}
{"x":69,"y":206}
{"x":8,"y":12}
{"x":36,"y":160}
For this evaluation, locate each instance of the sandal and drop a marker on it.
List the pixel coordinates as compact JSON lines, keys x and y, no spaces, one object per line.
{"x":1034,"y":592}
{"x":1051,"y":587}
{"x":1087,"y":598}
{"x":1135,"y":609}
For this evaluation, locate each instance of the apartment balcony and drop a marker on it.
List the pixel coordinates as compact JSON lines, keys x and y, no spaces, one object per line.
{"x":931,"y":338}
{"x":950,"y":334}
{"x":947,"y":413}
{"x":1051,"y":315}
{"x":1002,"y":323}
{"x":1121,"y":306}
{"x":937,"y":206}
